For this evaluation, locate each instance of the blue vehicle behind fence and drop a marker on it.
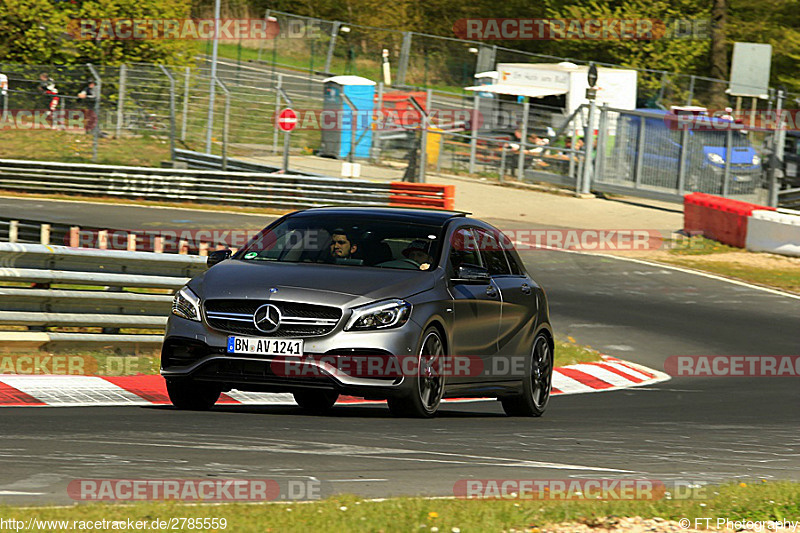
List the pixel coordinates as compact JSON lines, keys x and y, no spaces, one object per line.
{"x":706,"y":149}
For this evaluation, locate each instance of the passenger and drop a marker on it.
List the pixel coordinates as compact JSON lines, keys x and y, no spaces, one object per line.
{"x":417,"y":251}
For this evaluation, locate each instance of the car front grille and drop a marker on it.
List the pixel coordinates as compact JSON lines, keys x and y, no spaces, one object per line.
{"x":297,"y":319}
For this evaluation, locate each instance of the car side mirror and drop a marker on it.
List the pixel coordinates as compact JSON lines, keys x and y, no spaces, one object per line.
{"x":467,"y":273}
{"x":217,"y":256}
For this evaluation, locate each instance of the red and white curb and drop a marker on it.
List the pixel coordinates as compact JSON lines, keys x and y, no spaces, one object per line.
{"x":18,"y":390}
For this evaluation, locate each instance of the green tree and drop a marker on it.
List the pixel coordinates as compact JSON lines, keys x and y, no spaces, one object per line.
{"x":43,"y":32}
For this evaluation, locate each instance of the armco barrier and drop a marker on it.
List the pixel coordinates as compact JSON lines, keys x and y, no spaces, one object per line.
{"x":215,"y":187}
{"x":116,"y":299}
{"x":403,"y":194}
{"x":779,"y":233}
{"x":717,"y":218}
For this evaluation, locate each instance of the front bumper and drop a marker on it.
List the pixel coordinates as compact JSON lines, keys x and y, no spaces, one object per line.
{"x":194,"y":351}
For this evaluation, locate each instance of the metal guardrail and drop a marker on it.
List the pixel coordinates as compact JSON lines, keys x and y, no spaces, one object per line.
{"x":789,"y":198}
{"x":207,"y":187}
{"x":199,"y":160}
{"x":96,"y":294}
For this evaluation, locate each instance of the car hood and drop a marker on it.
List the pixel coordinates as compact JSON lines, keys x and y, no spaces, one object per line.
{"x":739,"y":155}
{"x":337,"y":285}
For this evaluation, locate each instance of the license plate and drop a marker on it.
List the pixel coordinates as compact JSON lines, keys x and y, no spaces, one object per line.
{"x":257,"y":346}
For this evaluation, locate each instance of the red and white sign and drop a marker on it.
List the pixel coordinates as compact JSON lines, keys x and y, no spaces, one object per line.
{"x":287,"y":119}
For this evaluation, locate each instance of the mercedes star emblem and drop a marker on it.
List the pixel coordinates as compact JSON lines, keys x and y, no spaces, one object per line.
{"x":267,"y":318}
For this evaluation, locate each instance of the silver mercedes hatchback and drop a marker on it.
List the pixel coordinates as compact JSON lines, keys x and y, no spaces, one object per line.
{"x":405,"y":305}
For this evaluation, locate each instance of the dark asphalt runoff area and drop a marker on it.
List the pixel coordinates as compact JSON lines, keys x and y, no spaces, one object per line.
{"x":685,"y":429}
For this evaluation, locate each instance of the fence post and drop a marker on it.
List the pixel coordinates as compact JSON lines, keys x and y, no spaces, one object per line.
{"x":423,"y":153}
{"x":123,"y":77}
{"x":602,"y":137}
{"x":171,"y":78}
{"x":776,"y":157}
{"x":473,"y":142}
{"x":331,"y":45}
{"x":277,"y":112}
{"x":185,"y":118}
{"x":44,"y":234}
{"x":691,"y":90}
{"x":13,"y":231}
{"x":726,"y":176}
{"x":639,"y":154}
{"x":99,"y":83}
{"x":526,"y":109}
{"x":376,"y":135}
{"x":682,"y":161}
{"x":225,"y":123}
{"x":588,"y":140}
{"x":405,"y":52}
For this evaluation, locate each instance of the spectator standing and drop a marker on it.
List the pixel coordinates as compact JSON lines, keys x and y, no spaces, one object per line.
{"x":89,"y":96}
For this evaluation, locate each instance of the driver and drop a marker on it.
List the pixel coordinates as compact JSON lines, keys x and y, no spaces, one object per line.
{"x":343,"y":245}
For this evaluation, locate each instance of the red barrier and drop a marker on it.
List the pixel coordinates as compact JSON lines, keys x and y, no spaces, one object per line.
{"x":717,"y":218}
{"x":404,"y":194}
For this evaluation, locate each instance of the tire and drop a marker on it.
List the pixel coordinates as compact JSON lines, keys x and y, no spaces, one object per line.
{"x":315,"y":401}
{"x":191,"y":395}
{"x":425,"y":391}
{"x":537,"y":383}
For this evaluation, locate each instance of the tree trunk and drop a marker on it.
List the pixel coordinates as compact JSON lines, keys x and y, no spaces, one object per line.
{"x":719,"y":54}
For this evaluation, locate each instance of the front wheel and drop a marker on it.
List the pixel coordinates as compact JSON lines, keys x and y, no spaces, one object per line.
{"x":192,"y":395}
{"x":537,"y":383}
{"x":427,"y":387}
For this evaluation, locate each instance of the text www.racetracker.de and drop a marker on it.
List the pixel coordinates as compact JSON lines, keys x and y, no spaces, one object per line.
{"x":35,"y":524}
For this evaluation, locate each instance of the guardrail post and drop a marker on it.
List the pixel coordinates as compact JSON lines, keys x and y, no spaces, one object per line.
{"x":44,"y":234}
{"x":99,"y":84}
{"x":203,"y":249}
{"x":473,"y":142}
{"x":171,"y":78}
{"x":123,"y":76}
{"x":102,"y":239}
{"x":526,"y":109}
{"x":75,"y":236}
{"x":158,"y":245}
{"x":131,"y":242}
{"x":183,"y":247}
{"x":13,"y":231}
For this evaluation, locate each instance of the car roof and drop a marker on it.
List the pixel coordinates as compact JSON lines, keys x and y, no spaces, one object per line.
{"x":410,"y":215}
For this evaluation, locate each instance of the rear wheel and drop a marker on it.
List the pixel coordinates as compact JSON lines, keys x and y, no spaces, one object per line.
{"x":192,"y":395}
{"x":427,"y":387}
{"x":537,"y":383}
{"x":315,"y":401}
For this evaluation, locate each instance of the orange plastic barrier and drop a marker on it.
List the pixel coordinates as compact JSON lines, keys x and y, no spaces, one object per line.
{"x":404,"y":194}
{"x":717,"y":218}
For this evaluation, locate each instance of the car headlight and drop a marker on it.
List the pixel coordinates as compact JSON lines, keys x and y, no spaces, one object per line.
{"x":715,"y":158}
{"x":186,"y":304}
{"x":756,"y":160}
{"x":380,"y":315}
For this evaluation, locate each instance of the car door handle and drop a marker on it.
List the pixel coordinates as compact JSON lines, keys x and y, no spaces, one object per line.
{"x":491,"y":291}
{"x":525,"y":288}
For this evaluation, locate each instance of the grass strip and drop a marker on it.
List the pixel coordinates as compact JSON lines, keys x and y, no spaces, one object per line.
{"x":756,"y":501}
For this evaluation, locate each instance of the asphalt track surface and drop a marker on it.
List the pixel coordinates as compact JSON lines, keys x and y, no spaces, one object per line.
{"x":686,"y":429}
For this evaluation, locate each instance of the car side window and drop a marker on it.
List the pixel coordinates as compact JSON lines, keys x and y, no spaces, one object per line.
{"x":512,"y":263}
{"x":492,"y":253}
{"x":463,"y":249}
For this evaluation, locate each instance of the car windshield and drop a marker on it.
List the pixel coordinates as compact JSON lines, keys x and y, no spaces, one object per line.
{"x":347,"y":240}
{"x":718,"y":138}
